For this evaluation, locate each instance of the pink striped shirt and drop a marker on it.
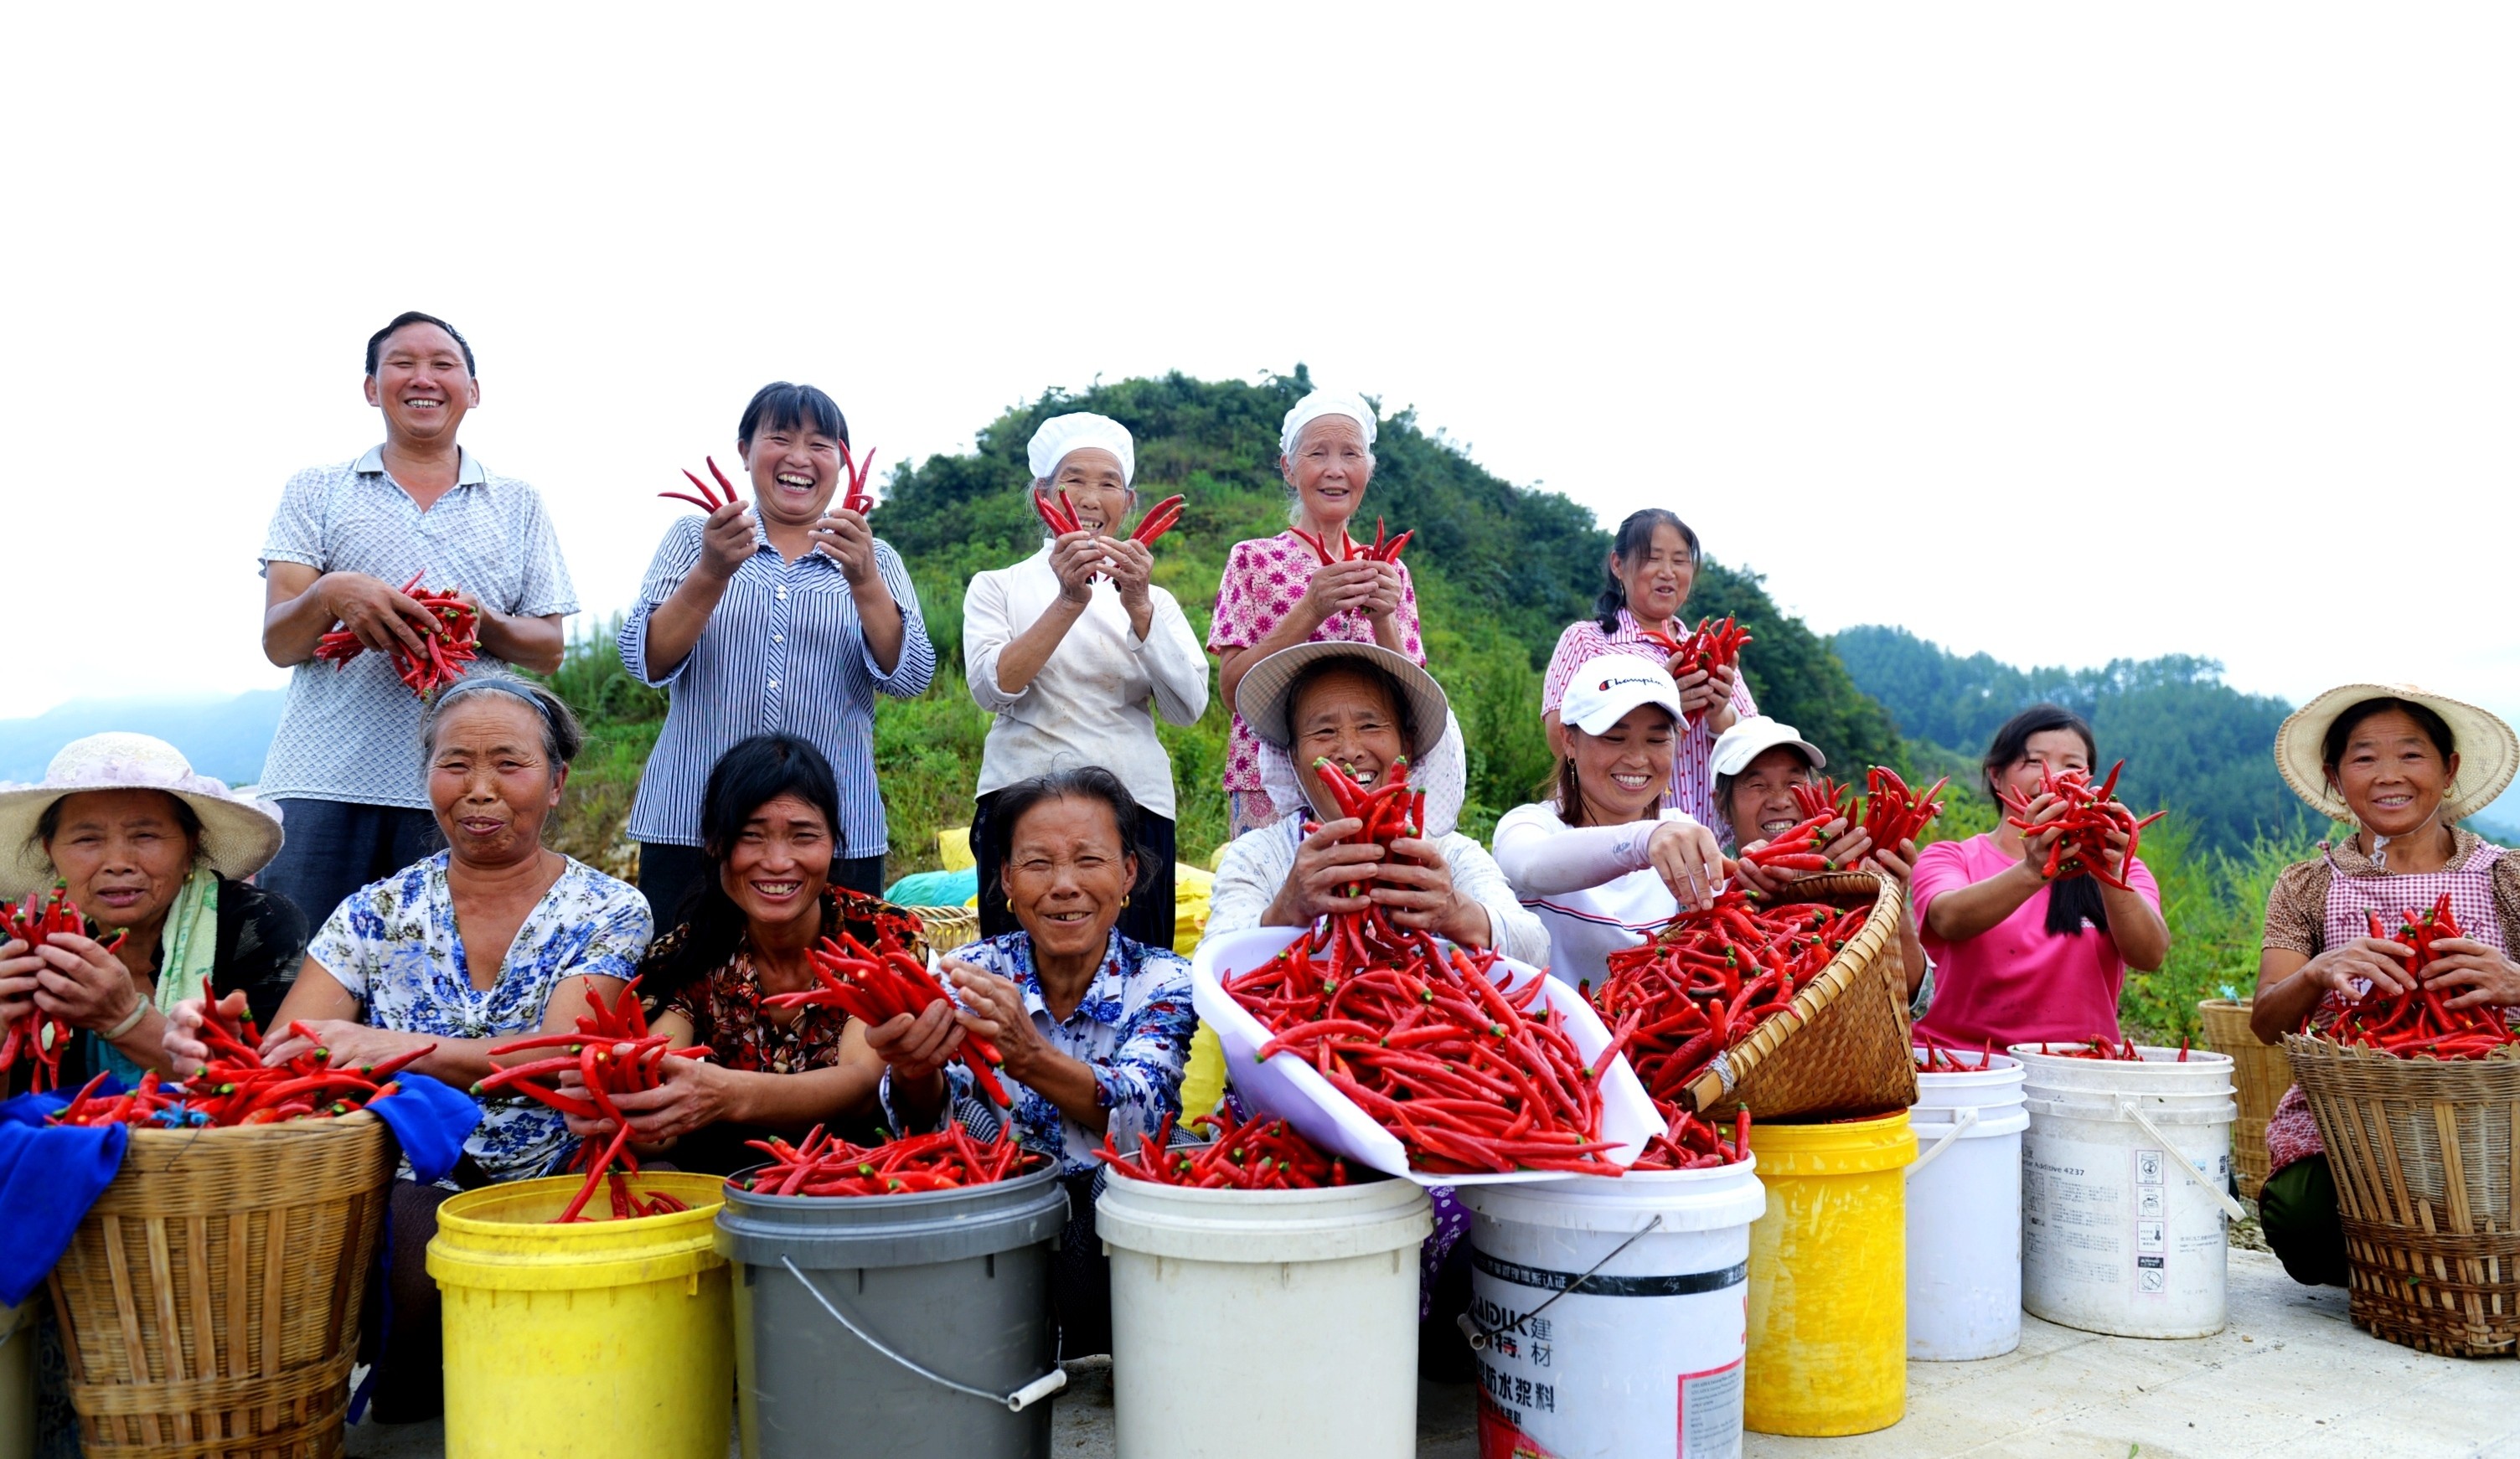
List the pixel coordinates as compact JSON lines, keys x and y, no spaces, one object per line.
{"x":1693,"y":788}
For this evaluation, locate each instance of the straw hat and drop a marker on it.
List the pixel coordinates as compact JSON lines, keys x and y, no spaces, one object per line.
{"x":2489,"y":753}
{"x":239,"y":835}
{"x":1261,"y":698}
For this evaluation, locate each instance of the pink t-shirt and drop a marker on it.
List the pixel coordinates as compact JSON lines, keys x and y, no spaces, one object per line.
{"x":1265,"y":577}
{"x":2017,"y":982}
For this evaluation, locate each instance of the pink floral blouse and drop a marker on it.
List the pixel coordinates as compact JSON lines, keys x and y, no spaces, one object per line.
{"x":1264,"y":577}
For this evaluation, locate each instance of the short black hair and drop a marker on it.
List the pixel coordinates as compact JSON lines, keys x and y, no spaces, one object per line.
{"x":2331,"y":747}
{"x":781,"y":406}
{"x":1090,"y":782}
{"x":376,"y":341}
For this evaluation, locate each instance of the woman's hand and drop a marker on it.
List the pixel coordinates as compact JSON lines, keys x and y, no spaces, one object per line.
{"x":1382,"y":595}
{"x":1718,"y":713}
{"x":1899,"y":864}
{"x":1700,"y":694}
{"x":181,"y":1038}
{"x":1132,"y":569}
{"x":1415,"y":888}
{"x":2381,"y":961}
{"x":2482,"y":977}
{"x":2044,"y":814}
{"x":82,"y":984}
{"x":1847,"y":847}
{"x":1076,"y":560}
{"x":1325,"y":865}
{"x":17,"y":981}
{"x":689,"y":1095}
{"x":1689,"y":860}
{"x":727,"y":541}
{"x":993,"y":1008}
{"x":1337,"y":588}
{"x":844,"y":537}
{"x":346,"y":1044}
{"x":916,"y":1048}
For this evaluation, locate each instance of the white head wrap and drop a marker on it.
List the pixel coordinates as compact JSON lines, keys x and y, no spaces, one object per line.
{"x":1321,"y":403}
{"x":1061,"y":434}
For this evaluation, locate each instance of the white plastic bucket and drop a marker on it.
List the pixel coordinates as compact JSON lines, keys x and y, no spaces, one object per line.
{"x":1964,"y":1211}
{"x":18,"y":1378}
{"x":1309,"y":1297}
{"x":1640,"y":1358}
{"x":2124,"y":1178}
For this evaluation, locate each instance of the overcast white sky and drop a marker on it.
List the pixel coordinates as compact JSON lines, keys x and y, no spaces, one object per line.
{"x":2060,"y":333}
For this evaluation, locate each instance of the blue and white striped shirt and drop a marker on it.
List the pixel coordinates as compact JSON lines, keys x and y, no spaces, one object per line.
{"x":783,"y":651}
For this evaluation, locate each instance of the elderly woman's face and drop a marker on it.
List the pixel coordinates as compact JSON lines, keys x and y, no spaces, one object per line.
{"x":1347,"y":718}
{"x":795,"y":469}
{"x":1091,"y":477}
{"x":1329,"y":468}
{"x":1658,"y":581}
{"x":2391,"y":776}
{"x":124,"y":853}
{"x":490,"y":780}
{"x":1625,"y":769}
{"x":1762,"y":806}
{"x":781,"y":862}
{"x":1068,"y":876}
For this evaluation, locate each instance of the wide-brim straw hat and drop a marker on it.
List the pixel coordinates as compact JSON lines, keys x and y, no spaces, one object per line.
{"x":2489,"y":753}
{"x":239,"y":835}
{"x":1261,"y":698}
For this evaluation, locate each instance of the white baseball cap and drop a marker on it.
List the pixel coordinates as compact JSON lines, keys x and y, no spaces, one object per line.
{"x":1602,"y":690}
{"x":1751,"y":737}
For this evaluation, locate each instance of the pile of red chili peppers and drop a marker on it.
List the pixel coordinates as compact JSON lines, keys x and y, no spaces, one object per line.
{"x":2419,"y":1023}
{"x":1386,"y":549}
{"x":878,"y":985}
{"x":2123,"y":1051}
{"x":824,"y":1164}
{"x":1933,"y":1058}
{"x":1709,"y":977}
{"x":444,"y":650}
{"x":1709,"y":646}
{"x":1258,"y":1154}
{"x":235,"y":1087}
{"x":595,"y":1052}
{"x":1695,"y":1143}
{"x":40,"y":1037}
{"x":2090,"y":813}
{"x":1471,"y":1079}
{"x":1892,"y":814}
{"x":1060,"y":517}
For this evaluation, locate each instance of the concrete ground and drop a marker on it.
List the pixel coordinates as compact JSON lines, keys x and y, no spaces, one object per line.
{"x":2290,"y":1376}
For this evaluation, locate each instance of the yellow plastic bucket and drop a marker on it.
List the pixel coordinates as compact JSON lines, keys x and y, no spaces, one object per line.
{"x":1828,"y":1278}
{"x":600,"y":1338}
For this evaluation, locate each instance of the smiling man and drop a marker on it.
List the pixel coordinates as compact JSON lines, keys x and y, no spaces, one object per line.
{"x":345,"y":765}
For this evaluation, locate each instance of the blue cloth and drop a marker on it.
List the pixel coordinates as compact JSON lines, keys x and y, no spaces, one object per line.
{"x":431,"y":1120}
{"x":49,"y":1176}
{"x":935,"y":888}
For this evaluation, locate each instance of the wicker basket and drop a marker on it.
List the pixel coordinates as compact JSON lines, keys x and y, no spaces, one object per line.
{"x":1845,"y":1051}
{"x":2426,"y":1157}
{"x":2259,"y":1076}
{"x":948,"y":927}
{"x":209,"y":1302}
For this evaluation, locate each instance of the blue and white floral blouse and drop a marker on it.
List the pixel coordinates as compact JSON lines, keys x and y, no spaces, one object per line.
{"x":1132,"y":1028}
{"x":393,"y":944}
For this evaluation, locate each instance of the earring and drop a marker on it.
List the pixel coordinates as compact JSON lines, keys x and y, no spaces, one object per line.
{"x":1124,"y":901}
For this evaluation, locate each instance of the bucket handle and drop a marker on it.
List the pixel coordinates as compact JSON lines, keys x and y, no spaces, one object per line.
{"x":2222,"y":1197}
{"x":1960,"y":1122}
{"x":1480,"y":1335}
{"x":1015,"y":1402}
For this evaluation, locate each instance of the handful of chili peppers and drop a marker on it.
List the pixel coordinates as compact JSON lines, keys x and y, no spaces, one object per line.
{"x":823,"y":1165}
{"x":1695,"y":1143}
{"x":1258,"y":1154}
{"x":1386,"y":549}
{"x":1060,"y":517}
{"x":445,"y":649}
{"x":2082,"y":843}
{"x":1711,"y":977}
{"x":1891,"y":813}
{"x":2419,"y":1023}
{"x":1709,"y":646}
{"x":38,"y":1035}
{"x":597,"y":1052}
{"x":879,"y":984}
{"x":237,"y":1087}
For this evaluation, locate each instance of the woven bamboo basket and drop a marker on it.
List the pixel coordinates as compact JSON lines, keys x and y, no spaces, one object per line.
{"x":2260,"y":1075}
{"x":948,"y":927}
{"x":209,"y":1302}
{"x":1844,"y":1050}
{"x":2426,"y":1157}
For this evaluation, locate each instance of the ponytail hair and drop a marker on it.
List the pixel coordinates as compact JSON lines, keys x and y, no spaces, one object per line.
{"x":2071,"y":901}
{"x":1635,"y":540}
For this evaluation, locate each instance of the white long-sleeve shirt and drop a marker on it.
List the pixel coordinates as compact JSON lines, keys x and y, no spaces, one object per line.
{"x":1593,"y":887}
{"x":1090,"y":702}
{"x":1257,"y":864}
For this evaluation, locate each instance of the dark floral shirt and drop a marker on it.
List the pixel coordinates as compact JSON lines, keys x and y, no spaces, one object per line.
{"x":724,"y":1005}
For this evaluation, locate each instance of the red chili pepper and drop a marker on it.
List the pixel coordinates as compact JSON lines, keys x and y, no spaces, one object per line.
{"x":857,"y":498}
{"x":38,"y":1035}
{"x":707,"y":501}
{"x":1157,"y":521}
{"x":823,"y":1165}
{"x":445,"y":649}
{"x":2090,"y":813}
{"x":1061,"y":519}
{"x":1258,"y":1154}
{"x":2419,"y":1021}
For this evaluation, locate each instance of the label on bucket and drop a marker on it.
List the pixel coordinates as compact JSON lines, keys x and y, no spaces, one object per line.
{"x":2115,"y":1238}
{"x":1645,"y":1366}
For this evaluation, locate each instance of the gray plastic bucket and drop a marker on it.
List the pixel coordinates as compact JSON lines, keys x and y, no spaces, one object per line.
{"x":911,"y":1327}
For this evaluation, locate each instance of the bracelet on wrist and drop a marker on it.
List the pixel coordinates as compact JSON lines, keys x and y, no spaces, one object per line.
{"x":130,"y":1020}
